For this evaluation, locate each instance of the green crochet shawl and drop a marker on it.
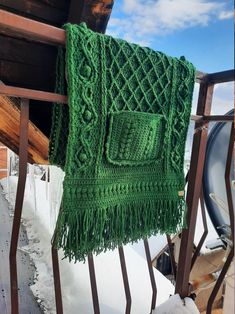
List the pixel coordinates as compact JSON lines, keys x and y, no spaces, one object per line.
{"x":120,"y":141}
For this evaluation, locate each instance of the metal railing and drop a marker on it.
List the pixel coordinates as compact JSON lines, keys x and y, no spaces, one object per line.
{"x":54,"y":36}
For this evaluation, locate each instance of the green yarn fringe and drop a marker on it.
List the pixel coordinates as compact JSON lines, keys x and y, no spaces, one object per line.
{"x":83,"y":231}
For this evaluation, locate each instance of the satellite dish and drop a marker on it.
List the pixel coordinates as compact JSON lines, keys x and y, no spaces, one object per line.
{"x":213,"y":177}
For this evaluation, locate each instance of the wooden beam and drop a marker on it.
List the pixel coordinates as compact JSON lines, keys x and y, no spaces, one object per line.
{"x":18,"y":26}
{"x":28,"y":76}
{"x":75,"y":11}
{"x":36,"y":10}
{"x":27,"y":64}
{"x":60,"y":4}
{"x":27,"y":52}
{"x":9,"y":133}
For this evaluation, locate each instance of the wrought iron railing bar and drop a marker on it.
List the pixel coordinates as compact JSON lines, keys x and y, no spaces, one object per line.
{"x":206,"y":118}
{"x":204,"y":235}
{"x":19,"y":26}
{"x":27,"y":93}
{"x":125,"y":280}
{"x":219,"y":281}
{"x":23,"y":157}
{"x":172,"y":257}
{"x":94,"y":291}
{"x":151,"y":275}
{"x":12,"y":91}
{"x":220,"y":77}
{"x":194,"y":189}
{"x":56,"y":277}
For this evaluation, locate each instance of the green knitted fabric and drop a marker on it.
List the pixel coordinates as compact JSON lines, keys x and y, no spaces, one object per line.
{"x":120,"y":141}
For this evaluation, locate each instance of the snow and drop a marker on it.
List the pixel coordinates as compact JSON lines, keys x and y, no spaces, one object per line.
{"x":156,"y":245}
{"x":40,"y":209}
{"x":212,"y":234}
{"x":177,"y":306}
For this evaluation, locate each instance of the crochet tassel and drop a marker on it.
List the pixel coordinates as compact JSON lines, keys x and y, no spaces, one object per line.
{"x":85,"y":230}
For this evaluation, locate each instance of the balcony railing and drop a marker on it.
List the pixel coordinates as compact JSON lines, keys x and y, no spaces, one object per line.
{"x":36,"y":31}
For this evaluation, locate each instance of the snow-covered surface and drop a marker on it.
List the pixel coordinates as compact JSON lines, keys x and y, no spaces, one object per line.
{"x":40,"y":210}
{"x":177,"y":306}
{"x":156,"y":245}
{"x":212,"y":234}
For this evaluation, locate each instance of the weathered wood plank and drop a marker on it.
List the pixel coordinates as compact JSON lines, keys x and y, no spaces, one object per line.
{"x":3,"y":162}
{"x":28,"y":76}
{"x":9,"y":133}
{"x":36,"y":10}
{"x":26,"y":52}
{"x":60,"y":4}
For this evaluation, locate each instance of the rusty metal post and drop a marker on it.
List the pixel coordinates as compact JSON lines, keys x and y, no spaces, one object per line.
{"x":219,"y":281}
{"x":172,"y":257}
{"x":23,"y":158}
{"x":95,"y":298}
{"x":204,"y":235}
{"x":56,"y":276}
{"x":125,"y":280}
{"x":151,"y":275}
{"x":194,"y":189}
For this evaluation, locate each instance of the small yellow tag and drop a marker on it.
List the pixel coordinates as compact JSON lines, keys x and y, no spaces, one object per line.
{"x":181,"y":193}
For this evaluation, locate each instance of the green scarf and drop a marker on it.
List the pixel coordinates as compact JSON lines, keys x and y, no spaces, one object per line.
{"x":120,"y":141}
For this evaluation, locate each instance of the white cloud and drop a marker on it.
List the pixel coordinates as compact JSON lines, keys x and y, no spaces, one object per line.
{"x":224,"y":15}
{"x":144,"y":19}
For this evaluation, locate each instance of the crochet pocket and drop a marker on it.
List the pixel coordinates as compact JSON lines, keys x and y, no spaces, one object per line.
{"x":134,"y":138}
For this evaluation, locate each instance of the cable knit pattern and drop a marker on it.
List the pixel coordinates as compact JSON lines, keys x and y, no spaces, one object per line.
{"x":120,"y":141}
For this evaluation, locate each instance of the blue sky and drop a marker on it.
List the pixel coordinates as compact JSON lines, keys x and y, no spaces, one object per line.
{"x":201,"y":30}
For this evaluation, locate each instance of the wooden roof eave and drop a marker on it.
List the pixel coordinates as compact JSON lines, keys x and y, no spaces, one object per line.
{"x":9,"y":133}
